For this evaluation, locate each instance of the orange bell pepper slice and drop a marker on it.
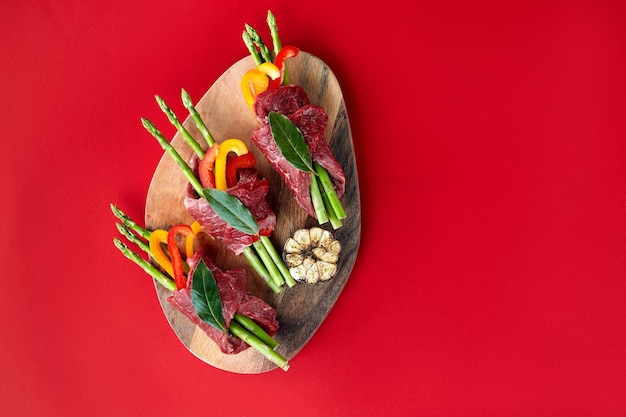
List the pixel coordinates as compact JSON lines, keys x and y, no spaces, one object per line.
{"x":197,"y":228}
{"x":257,"y":80}
{"x":156,"y":238}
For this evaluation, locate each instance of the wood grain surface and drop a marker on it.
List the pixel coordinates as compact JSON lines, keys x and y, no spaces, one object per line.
{"x":303,"y":308}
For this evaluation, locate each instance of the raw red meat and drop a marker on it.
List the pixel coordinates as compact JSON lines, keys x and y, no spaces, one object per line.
{"x":251,"y":191}
{"x":293,"y":102}
{"x":235,"y":299}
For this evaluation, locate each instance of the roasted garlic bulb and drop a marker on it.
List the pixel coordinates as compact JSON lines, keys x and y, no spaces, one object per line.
{"x":311,"y":255}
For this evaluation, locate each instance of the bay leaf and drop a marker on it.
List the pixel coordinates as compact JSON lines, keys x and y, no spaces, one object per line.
{"x":206,"y":298}
{"x":232,"y":211}
{"x":290,"y":142}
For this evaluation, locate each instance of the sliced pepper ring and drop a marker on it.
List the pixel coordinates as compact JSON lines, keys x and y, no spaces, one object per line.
{"x":156,"y":238}
{"x":177,"y":261}
{"x":236,"y":163}
{"x":189,"y":240}
{"x":205,"y":167}
{"x":257,"y":80}
{"x":229,"y":145}
{"x":285,"y":52}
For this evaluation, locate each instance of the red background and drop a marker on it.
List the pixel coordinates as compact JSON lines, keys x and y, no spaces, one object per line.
{"x":490,"y":140}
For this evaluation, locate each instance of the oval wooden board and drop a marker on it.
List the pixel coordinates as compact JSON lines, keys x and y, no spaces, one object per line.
{"x":302,"y":308}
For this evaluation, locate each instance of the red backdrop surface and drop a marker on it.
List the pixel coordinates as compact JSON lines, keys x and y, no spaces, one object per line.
{"x":490,"y":140}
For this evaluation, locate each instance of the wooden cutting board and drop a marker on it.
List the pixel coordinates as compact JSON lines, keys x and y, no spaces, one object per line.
{"x":300,"y":309}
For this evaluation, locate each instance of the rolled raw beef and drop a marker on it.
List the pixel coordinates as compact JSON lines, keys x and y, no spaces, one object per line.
{"x":232,"y":286}
{"x":251,"y":190}
{"x":293,"y":102}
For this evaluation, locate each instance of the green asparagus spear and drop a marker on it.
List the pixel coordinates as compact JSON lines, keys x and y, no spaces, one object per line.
{"x":271,"y":22}
{"x":282,"y":268}
{"x":256,"y":38}
{"x":145,"y":265}
{"x":196,"y":118}
{"x":330,"y":192}
{"x":256,"y":330}
{"x":247,"y":40}
{"x":167,"y":147}
{"x":260,"y":268}
{"x":332,"y":217}
{"x":318,"y":201}
{"x":191,"y":141}
{"x":132,"y":238}
{"x":257,"y":344}
{"x":269,"y":263}
{"x":127,"y":221}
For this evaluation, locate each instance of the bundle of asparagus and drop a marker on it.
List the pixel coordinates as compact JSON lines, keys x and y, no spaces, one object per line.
{"x":261,"y":254}
{"x":241,"y":326}
{"x":303,"y":147}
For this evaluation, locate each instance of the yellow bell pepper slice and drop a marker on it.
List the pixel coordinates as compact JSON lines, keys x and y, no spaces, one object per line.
{"x":257,"y":80}
{"x":189,"y":240}
{"x":156,"y":238}
{"x":269,"y":69}
{"x":229,"y":145}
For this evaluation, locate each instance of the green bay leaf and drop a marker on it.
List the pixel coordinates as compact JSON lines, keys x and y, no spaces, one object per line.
{"x":232,"y":211}
{"x":206,"y":298}
{"x":290,"y":142}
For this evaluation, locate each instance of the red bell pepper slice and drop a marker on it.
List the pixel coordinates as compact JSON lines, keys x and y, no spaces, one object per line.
{"x":177,"y":261}
{"x":284,"y":53}
{"x":235,"y":163}
{"x":205,"y":169}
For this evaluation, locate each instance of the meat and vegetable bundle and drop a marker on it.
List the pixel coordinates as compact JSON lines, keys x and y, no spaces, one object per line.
{"x":227,"y":196}
{"x":291,"y":130}
{"x":292,"y":103}
{"x":215,"y":300}
{"x":238,"y":305}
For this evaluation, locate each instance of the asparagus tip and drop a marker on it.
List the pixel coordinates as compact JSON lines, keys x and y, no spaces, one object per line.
{"x":165,"y":108}
{"x":120,"y":245}
{"x":125,"y":231}
{"x":159,"y":100}
{"x":150,"y":126}
{"x":118,"y":212}
{"x":254,"y":34}
{"x":186,"y":98}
